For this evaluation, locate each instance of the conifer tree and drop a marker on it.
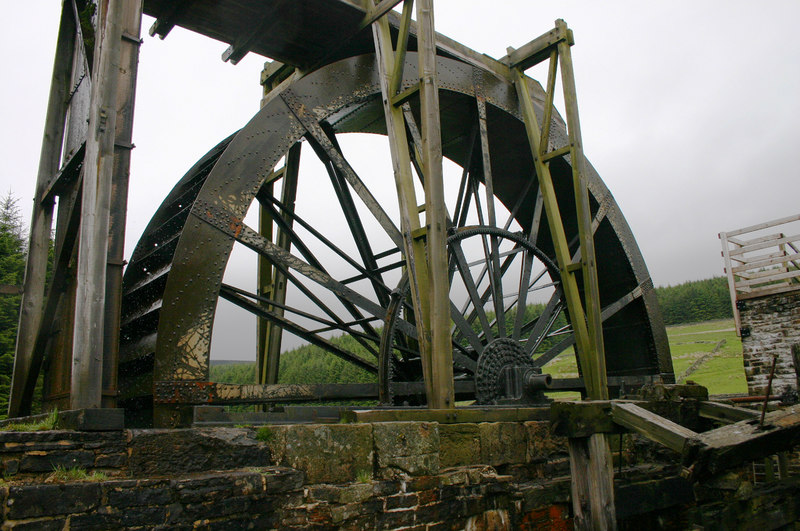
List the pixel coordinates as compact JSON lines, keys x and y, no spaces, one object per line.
{"x":12,"y":271}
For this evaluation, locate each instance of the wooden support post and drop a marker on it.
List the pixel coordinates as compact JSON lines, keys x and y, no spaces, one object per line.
{"x":131,"y":24}
{"x":592,"y":486}
{"x":590,"y":458}
{"x":414,"y":248}
{"x":88,"y":343}
{"x":32,"y":307}
{"x":273,"y":281}
{"x":441,"y":354}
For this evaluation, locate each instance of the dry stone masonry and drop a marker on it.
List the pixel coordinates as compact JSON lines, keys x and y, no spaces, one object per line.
{"x":771,"y":326}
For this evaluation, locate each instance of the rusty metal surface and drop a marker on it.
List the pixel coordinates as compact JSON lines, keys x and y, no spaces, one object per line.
{"x":184,"y":288}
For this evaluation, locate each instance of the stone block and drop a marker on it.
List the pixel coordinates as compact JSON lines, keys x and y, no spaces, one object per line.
{"x":280,"y":479}
{"x":133,"y":493}
{"x":176,"y":452}
{"x":31,"y":501}
{"x":217,"y":486}
{"x":326,"y":453}
{"x":407,"y":448}
{"x":502,"y":443}
{"x":460,"y":444}
{"x":46,"y":461}
{"x":45,"y":524}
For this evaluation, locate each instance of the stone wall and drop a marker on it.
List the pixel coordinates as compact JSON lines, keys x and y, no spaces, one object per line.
{"x":416,"y":475}
{"x":773,"y":323}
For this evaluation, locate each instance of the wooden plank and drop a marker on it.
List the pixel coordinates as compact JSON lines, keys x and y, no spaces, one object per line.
{"x":761,"y":292}
{"x":754,"y":241}
{"x":535,"y":51}
{"x":765,"y":245}
{"x":765,"y":225}
{"x":780,"y":259}
{"x":652,"y":426}
{"x":449,"y":416}
{"x":767,"y":277}
{"x":725,"y":413}
{"x":743,"y":441}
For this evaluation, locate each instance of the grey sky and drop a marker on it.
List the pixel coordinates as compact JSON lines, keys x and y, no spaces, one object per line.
{"x":689,"y":109}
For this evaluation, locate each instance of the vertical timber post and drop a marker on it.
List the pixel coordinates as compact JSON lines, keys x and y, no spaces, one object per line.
{"x":426,"y":264}
{"x":131,"y":24}
{"x":441,"y":353}
{"x":590,"y":457}
{"x":32,"y":306}
{"x":87,"y":351}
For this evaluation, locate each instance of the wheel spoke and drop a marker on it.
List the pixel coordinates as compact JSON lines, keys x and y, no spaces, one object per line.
{"x":466,"y":277}
{"x":543,"y":323}
{"x":317,"y":135}
{"x":296,"y":329}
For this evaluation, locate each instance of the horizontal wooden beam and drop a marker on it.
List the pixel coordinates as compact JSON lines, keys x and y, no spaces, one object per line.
{"x":765,"y":225}
{"x":538,"y":49}
{"x":449,"y":416}
{"x":725,"y":413}
{"x":652,"y":426}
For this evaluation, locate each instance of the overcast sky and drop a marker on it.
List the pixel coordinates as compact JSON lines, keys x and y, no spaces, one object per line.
{"x":689,"y":111}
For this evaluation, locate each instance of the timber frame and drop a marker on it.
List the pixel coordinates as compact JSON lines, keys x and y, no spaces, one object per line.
{"x":762,"y":265}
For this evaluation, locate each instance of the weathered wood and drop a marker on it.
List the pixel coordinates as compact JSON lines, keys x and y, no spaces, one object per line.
{"x":404,"y":182}
{"x":273,"y":336}
{"x":592,"y":487}
{"x":725,"y":413}
{"x":726,"y":447}
{"x":88,"y":343}
{"x":537,"y":50}
{"x":448,"y":415}
{"x":652,"y":426}
{"x":131,"y":23}
{"x":764,"y":225}
{"x":582,"y":419}
{"x":32,"y":304}
{"x":441,"y":361}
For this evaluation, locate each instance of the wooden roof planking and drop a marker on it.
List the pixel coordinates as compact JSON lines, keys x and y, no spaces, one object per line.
{"x":304,"y":34}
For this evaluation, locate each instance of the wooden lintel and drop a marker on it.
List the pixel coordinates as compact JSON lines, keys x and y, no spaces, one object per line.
{"x":537,"y":50}
{"x":582,"y":419}
{"x":652,"y":426}
{"x":448,"y":416}
{"x":725,"y":413}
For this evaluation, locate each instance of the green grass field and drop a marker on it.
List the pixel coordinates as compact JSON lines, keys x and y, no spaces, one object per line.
{"x":721,"y":371}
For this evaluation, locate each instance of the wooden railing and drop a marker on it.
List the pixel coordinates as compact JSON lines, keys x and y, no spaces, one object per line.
{"x":765,"y":264}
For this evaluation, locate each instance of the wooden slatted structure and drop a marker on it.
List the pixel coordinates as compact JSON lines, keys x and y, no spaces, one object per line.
{"x":762,"y":259}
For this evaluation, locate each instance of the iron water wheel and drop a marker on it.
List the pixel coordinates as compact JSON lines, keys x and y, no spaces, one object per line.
{"x":175,"y":276}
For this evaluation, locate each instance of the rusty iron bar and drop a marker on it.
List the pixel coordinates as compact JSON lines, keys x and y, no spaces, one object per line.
{"x":769,"y":391}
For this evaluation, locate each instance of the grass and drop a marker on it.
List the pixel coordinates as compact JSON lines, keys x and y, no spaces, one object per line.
{"x":62,"y":474}
{"x":47,"y":423}
{"x":721,"y":373}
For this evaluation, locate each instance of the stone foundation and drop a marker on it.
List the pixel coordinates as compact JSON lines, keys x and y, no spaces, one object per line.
{"x":773,"y":324}
{"x":393,"y":475}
